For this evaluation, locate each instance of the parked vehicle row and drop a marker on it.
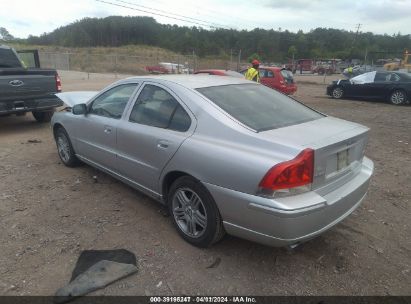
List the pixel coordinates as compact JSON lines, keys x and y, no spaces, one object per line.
{"x":168,"y":68}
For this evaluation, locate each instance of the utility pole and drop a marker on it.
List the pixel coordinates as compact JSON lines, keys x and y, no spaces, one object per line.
{"x":356,"y":34}
{"x":231,"y":58}
{"x":194,"y":61}
{"x":239,"y":60}
{"x":354,"y":40}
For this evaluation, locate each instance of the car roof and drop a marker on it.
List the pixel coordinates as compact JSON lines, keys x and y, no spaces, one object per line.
{"x":271,"y":68}
{"x":194,"y":81}
{"x":210,"y":70}
{"x":392,"y":72}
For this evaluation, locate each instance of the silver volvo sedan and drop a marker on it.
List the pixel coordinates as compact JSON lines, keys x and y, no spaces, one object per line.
{"x":224,"y":154}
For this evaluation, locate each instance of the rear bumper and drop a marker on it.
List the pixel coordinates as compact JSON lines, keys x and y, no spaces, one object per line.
{"x":289,"y":90}
{"x":14,"y":107}
{"x":255,"y":218}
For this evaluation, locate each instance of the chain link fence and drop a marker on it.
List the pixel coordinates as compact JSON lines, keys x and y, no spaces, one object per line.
{"x":126,"y":64}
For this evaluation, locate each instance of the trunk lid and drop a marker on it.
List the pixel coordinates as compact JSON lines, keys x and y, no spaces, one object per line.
{"x":77,"y":97}
{"x":338,"y":145}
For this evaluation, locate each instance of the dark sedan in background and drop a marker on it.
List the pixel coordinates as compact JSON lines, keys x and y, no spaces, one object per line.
{"x":394,"y":87}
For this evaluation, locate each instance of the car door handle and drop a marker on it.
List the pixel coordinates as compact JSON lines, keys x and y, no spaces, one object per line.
{"x":162,"y":144}
{"x":107,"y":129}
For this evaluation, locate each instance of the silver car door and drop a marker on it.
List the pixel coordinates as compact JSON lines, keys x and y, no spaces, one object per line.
{"x":156,"y":127}
{"x":97,"y":131}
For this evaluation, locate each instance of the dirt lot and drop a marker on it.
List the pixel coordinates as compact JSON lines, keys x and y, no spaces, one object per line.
{"x":50,"y":213}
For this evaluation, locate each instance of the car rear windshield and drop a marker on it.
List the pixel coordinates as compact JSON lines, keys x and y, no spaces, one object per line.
{"x":287,"y":74}
{"x":405,"y":77}
{"x":259,"y":107}
{"x":234,"y":74}
{"x":8,"y":59}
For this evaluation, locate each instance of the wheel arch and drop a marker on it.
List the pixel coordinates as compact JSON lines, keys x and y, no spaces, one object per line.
{"x":392,"y":89}
{"x":169,"y":178}
{"x":56,"y":126}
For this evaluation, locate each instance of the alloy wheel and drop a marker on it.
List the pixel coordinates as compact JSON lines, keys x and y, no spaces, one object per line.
{"x":397,"y":97}
{"x":63,"y":148}
{"x":337,"y":93}
{"x":189,"y":212}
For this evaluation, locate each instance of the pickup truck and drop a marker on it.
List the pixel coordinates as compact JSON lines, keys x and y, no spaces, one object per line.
{"x":27,"y":89}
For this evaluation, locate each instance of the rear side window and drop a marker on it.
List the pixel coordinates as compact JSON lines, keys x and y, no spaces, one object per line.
{"x":158,"y":108}
{"x":393,"y":77}
{"x":263,"y":73}
{"x":266,"y":73}
{"x":8,"y":59}
{"x":259,"y":107}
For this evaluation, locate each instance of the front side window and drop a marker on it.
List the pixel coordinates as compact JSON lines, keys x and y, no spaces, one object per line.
{"x":259,"y":107}
{"x":157,"y":108}
{"x":380,"y":77}
{"x":113,"y":102}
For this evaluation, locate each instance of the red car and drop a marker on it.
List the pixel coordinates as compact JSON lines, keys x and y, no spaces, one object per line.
{"x":278,"y":78}
{"x":220,"y":73}
{"x":156,"y":69}
{"x":273,"y":77}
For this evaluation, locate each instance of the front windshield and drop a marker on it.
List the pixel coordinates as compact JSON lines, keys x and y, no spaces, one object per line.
{"x":259,"y":107}
{"x":364,"y":78}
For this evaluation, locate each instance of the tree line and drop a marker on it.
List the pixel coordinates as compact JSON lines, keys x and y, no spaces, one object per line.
{"x":270,"y":45}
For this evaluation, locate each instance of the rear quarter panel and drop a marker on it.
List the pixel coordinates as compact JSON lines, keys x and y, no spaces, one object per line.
{"x":228,"y":165}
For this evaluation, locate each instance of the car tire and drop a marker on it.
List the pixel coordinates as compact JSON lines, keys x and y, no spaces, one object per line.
{"x":337,"y":93}
{"x":65,"y":148}
{"x":397,"y":97}
{"x":194,"y":212}
{"x":43,"y":116}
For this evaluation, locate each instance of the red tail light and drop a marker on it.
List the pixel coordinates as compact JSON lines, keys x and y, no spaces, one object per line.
{"x":58,"y":83}
{"x":290,"y":174}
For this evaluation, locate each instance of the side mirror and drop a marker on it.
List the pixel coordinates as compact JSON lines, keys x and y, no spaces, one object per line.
{"x":79,"y":109}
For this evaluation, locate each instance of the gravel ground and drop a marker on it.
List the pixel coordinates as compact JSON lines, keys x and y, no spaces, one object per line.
{"x":50,"y":213}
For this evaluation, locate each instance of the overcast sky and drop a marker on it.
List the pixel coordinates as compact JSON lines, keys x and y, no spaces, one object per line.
{"x":25,"y":17}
